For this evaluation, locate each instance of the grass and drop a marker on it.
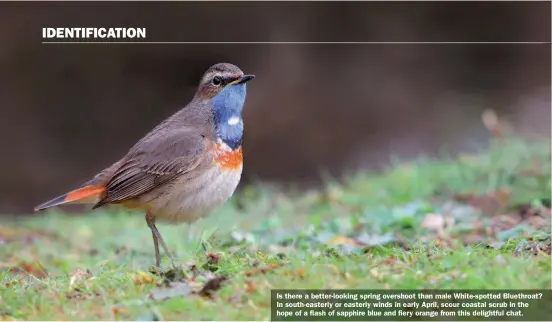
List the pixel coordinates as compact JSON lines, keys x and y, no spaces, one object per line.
{"x":472,"y":222}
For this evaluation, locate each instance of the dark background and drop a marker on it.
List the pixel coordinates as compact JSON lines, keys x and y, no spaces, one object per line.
{"x":70,"y":110}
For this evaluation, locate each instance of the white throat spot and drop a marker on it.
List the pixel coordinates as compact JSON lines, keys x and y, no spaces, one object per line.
{"x":234,"y":120}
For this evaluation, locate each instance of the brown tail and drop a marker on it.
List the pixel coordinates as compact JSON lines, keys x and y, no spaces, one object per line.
{"x":87,"y":194}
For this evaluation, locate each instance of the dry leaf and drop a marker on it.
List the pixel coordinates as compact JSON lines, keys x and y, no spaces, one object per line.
{"x":79,"y":275}
{"x":434,"y":222}
{"x":142,"y":277}
{"x":490,"y":203}
{"x":250,"y":287}
{"x":342,"y":240}
{"x":438,"y":223}
{"x":212,"y":285}
{"x":374,"y":272}
{"x":263,"y":270}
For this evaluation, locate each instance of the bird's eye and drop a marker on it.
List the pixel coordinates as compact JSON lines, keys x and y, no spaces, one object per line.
{"x":217,"y":80}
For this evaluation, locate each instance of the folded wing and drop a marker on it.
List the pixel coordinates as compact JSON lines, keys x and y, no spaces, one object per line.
{"x":156,"y":161}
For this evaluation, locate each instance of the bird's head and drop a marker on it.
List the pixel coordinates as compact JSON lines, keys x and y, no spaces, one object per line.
{"x":220,"y":78}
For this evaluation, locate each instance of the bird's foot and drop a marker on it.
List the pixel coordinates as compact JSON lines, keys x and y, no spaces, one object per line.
{"x":173,"y":273}
{"x":175,"y":264}
{"x":163,"y":269}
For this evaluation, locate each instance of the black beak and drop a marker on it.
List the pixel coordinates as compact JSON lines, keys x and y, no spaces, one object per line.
{"x":246,"y":78}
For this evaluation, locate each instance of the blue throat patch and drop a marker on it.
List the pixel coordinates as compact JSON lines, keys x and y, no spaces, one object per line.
{"x":228,"y":104}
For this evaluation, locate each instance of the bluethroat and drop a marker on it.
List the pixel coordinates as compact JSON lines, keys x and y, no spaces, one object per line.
{"x":183,"y":169}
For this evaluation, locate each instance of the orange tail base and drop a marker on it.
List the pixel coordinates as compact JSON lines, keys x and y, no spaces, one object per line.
{"x":88,"y":194}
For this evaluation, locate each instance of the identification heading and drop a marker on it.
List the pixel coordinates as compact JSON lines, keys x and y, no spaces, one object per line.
{"x":94,"y":33}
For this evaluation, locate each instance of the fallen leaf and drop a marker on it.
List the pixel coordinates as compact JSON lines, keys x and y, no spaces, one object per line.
{"x":301,"y":272}
{"x":212,"y":286}
{"x":213,"y":258}
{"x":538,"y":222}
{"x":194,"y":271}
{"x":79,"y":275}
{"x":342,"y":240}
{"x":263,"y":270}
{"x":390,"y":260}
{"x":491,"y":203}
{"x":33,"y":269}
{"x":438,"y":223}
{"x":374,"y":272}
{"x":434,"y":222}
{"x":141,"y":277}
{"x":250,"y":286}
{"x":118,"y":310}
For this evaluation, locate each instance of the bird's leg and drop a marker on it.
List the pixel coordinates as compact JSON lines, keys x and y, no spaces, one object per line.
{"x":156,"y":240}
{"x":151,"y":223}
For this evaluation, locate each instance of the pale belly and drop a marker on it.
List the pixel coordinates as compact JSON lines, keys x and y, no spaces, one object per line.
{"x":187,"y":200}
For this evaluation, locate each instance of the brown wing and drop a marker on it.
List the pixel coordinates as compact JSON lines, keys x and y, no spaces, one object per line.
{"x":156,"y":161}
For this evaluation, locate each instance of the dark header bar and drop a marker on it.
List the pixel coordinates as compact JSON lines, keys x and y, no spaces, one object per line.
{"x":230,"y":21}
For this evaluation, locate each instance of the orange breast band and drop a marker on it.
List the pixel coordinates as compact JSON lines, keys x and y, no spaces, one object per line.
{"x":228,"y":160}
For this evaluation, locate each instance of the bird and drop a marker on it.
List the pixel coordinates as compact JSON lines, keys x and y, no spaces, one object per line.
{"x":185,"y":168}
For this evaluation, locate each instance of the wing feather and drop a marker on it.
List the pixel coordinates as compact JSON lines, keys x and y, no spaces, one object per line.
{"x":155,"y":161}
